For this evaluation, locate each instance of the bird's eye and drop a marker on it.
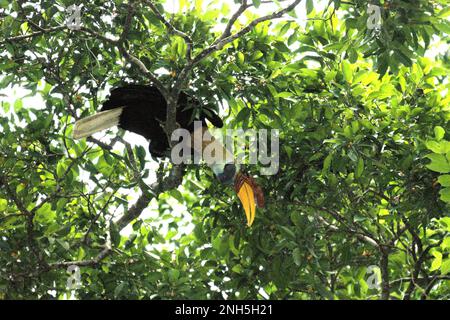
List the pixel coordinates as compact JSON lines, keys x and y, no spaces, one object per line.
{"x":227,"y":174}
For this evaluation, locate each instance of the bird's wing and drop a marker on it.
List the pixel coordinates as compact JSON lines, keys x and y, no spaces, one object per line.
{"x":133,"y":95}
{"x":212,"y":117}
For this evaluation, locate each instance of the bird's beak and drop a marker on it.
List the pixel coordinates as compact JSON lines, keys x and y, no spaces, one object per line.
{"x":250,"y":194}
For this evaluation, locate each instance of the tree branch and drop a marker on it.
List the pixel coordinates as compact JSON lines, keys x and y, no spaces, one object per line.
{"x":405,"y":279}
{"x":384,"y":268}
{"x":174,"y":179}
{"x":127,"y":25}
{"x":358,"y":235}
{"x":82,"y":263}
{"x":141,"y":66}
{"x":362,"y":235}
{"x":217,"y":45}
{"x":417,"y":267}
{"x":227,"y":32}
{"x":187,"y":39}
{"x":227,"y":39}
{"x":33,"y":34}
{"x":34,"y":247}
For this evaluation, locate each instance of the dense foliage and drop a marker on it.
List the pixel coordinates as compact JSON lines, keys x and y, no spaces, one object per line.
{"x":358,"y":209}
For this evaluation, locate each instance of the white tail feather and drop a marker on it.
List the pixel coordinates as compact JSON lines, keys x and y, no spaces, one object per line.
{"x":103,"y":120}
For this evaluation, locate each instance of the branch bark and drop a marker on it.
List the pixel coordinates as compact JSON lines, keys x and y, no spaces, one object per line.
{"x":172,"y":181}
{"x":416,"y":271}
{"x":358,"y":235}
{"x":227,"y":32}
{"x":34,"y":247}
{"x":361,"y":233}
{"x":82,"y":263}
{"x":187,"y":39}
{"x":384,"y":268}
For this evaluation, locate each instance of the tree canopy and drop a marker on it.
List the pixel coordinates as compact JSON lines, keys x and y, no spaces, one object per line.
{"x":358,"y":208}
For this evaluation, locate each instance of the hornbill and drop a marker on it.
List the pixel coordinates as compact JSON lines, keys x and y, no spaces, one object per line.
{"x":142,"y":109}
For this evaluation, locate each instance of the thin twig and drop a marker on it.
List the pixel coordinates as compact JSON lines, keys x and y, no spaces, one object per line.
{"x":187,"y":39}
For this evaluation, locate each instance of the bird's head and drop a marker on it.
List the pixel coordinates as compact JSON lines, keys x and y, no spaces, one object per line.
{"x":227,"y":172}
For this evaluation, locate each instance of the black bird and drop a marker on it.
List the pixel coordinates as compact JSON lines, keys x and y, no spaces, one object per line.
{"x":142,"y":109}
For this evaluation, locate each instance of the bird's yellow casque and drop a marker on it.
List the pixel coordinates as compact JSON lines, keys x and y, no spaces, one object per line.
{"x":250,"y":195}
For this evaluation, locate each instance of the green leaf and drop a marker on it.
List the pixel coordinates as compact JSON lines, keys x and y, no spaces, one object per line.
{"x":6,"y":106}
{"x":446,"y":243}
{"x":445,"y":194}
{"x":444,"y":180}
{"x":45,"y":214}
{"x":61,"y":168}
{"x":439,"y":133}
{"x":292,"y":38}
{"x":443,"y":27}
{"x":3,"y":205}
{"x":221,"y":245}
{"x":18,"y":105}
{"x":64,"y":244}
{"x":140,"y":151}
{"x":237,"y":268}
{"x":256,"y":3}
{"x":115,"y":234}
{"x":241,"y":58}
{"x":257,"y":55}
{"x":288,"y":232}
{"x":284,"y":29}
{"x":309,"y":6}
{"x":347,"y":71}
{"x":243,"y":115}
{"x":137,"y":225}
{"x":437,"y":262}
{"x":441,"y":147}
{"x":173,"y":274}
{"x":284,"y":95}
{"x":296,"y":218}
{"x":119,"y":289}
{"x":359,"y":168}
{"x":383,"y":64}
{"x":439,"y":163}
{"x":351,"y":23}
{"x":297,"y":255}
{"x":444,"y":13}
{"x":445,"y":266}
{"x":404,"y":59}
{"x":327,"y":163}
{"x":4,"y":4}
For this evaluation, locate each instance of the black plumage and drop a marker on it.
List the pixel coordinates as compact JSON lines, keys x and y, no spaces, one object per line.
{"x":145,"y":110}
